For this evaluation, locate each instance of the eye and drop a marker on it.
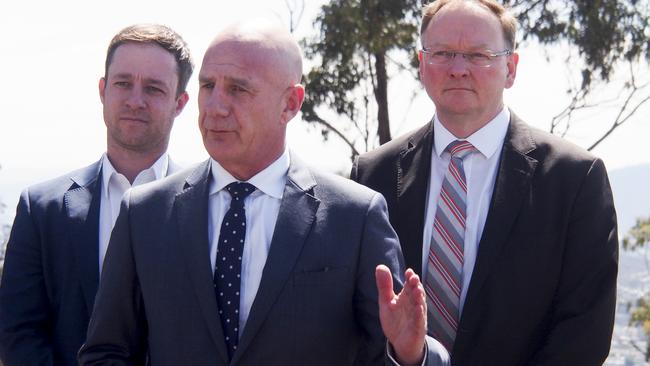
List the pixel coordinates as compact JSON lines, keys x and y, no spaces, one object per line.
{"x":446,"y":55}
{"x":122,"y":84}
{"x":154,"y":90}
{"x":235,"y":88}
{"x":207,"y":86}
{"x":478,"y":57}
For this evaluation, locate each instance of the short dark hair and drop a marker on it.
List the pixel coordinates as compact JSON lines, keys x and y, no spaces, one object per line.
{"x":161,"y":35}
{"x":508,"y":22}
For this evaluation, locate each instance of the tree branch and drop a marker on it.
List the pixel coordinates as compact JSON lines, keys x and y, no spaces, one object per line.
{"x":340,"y":134}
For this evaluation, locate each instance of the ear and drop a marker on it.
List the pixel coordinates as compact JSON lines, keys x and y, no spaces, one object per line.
{"x":181,"y":101}
{"x":421,"y":64}
{"x":102,"y":88}
{"x":511,"y":64}
{"x":293,"y":101}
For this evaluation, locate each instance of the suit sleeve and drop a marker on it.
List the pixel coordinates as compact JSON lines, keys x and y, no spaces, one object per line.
{"x":117,"y":331}
{"x":585,"y":302}
{"x":381,"y":246}
{"x":24,"y":325}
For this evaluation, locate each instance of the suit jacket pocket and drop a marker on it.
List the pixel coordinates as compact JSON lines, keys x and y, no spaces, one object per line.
{"x":320,"y":276}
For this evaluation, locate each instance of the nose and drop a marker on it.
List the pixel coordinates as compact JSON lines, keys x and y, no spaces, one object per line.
{"x":214,"y":104}
{"x":459,"y":66}
{"x":135,"y":99}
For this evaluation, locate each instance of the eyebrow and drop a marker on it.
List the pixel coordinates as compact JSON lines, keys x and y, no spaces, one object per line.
{"x":153,"y":81}
{"x":481,"y":46}
{"x":228,"y":79}
{"x":240,"y":81}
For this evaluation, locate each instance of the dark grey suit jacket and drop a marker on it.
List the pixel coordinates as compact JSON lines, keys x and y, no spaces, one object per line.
{"x":543,"y":290}
{"x":51,"y":270}
{"x":316,"y":303}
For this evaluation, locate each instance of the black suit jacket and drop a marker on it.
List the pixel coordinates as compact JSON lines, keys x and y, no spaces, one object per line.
{"x":51,"y":270}
{"x":543,"y":290}
{"x":316,"y":303}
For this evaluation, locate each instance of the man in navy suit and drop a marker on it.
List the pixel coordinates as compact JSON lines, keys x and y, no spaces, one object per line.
{"x":538,"y":255}
{"x":59,"y":237}
{"x":253,"y":258}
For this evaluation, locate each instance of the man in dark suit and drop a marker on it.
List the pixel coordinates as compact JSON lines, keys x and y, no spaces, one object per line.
{"x":513,"y":230}
{"x":252,"y":258}
{"x":61,"y":230}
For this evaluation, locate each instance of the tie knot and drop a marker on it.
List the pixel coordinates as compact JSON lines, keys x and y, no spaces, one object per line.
{"x":240,"y":190}
{"x":460,"y":149}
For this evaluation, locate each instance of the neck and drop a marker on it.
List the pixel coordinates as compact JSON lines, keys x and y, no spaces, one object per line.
{"x":130,"y":163}
{"x":246,"y":171}
{"x":464,"y":125}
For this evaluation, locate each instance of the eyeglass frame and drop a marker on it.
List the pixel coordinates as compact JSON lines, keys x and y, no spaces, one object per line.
{"x":490,"y":54}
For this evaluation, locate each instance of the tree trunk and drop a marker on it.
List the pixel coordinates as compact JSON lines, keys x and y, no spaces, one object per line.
{"x":381,"y":96}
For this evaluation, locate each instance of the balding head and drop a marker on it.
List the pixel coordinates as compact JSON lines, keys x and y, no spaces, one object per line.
{"x":270,"y":45}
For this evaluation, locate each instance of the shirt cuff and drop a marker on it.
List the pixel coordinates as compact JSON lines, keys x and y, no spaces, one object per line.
{"x":390,"y":352}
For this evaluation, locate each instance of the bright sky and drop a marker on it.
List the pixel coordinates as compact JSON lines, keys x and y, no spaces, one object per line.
{"x":53,"y":55}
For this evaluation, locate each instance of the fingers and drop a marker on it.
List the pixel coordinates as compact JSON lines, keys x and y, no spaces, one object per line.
{"x":384,"y":281}
{"x":415,"y":287}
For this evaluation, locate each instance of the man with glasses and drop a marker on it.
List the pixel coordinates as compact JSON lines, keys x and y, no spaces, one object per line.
{"x":512,"y":230}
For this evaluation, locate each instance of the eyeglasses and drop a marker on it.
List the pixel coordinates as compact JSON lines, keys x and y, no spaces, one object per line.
{"x":445,"y":57}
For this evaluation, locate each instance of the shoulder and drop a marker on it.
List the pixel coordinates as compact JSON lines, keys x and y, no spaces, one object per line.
{"x":553,"y":154}
{"x":394,"y":148}
{"x":340,"y":188}
{"x":54,"y":189}
{"x":334,"y":191}
{"x":168,"y":187}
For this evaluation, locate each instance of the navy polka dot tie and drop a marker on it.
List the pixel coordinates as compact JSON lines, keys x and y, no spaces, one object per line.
{"x":227,"y":270}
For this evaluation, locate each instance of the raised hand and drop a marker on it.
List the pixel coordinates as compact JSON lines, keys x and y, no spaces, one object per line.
{"x":403,"y":316}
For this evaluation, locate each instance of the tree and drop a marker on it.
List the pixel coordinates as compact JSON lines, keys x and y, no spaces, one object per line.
{"x":637,"y":238}
{"x":608,"y":36}
{"x":360,"y":41}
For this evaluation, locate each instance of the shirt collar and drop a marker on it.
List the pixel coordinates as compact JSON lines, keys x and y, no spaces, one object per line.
{"x":156,"y":171}
{"x":270,"y":181}
{"x":486,"y":140}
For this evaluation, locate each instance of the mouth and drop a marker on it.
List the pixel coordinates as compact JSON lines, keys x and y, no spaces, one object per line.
{"x":459,"y":89}
{"x":134,"y":119}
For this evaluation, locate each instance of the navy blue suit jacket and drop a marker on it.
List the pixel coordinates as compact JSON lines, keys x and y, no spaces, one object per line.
{"x":51,"y":270}
{"x":316,"y":303}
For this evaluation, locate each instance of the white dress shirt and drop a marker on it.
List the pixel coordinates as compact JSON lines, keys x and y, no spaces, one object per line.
{"x":480,"y":173}
{"x":114,"y":185}
{"x":262,"y":209}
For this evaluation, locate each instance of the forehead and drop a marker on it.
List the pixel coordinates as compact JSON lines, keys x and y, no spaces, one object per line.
{"x":464,"y":24}
{"x":249,"y":61}
{"x":143,"y":60}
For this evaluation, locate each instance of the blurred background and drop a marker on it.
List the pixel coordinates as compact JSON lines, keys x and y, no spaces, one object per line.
{"x":583,"y":74}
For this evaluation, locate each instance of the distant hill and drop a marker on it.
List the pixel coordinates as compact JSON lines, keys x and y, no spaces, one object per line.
{"x":631,"y":188}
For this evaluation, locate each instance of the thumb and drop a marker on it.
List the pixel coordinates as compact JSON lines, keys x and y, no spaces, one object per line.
{"x":384,"y":281}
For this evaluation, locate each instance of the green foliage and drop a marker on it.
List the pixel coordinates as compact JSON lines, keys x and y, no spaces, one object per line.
{"x":357,"y":38}
{"x":638,"y":236}
{"x":603,"y":31}
{"x":350,"y":54}
{"x":641,"y":317}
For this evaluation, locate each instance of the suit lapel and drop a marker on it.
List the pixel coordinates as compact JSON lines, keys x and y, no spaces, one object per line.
{"x":82,"y":207}
{"x":295,"y":219}
{"x":413,"y":171}
{"x":191,"y":210}
{"x":512,"y":184}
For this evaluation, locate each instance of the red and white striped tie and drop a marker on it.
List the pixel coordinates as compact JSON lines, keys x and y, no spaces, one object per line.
{"x":443,"y":277}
